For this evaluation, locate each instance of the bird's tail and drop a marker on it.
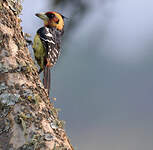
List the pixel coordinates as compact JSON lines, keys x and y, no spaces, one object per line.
{"x":46,"y":78}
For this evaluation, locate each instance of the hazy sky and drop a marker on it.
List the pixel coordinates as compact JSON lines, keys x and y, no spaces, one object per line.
{"x":103,"y":81}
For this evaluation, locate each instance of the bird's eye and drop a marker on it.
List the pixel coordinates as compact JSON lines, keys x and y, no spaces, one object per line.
{"x":50,"y":15}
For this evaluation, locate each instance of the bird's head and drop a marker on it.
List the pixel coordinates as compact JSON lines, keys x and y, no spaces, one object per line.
{"x":52,"y":19}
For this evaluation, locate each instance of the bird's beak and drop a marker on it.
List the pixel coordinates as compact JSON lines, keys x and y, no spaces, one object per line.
{"x":42,"y":16}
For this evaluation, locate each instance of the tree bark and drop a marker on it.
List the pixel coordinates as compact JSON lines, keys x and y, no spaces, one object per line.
{"x":28,"y":121}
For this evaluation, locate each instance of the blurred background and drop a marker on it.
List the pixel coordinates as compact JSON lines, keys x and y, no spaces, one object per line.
{"x":103,"y":80}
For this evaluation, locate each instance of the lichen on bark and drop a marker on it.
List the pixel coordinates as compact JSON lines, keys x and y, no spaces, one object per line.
{"x":27,"y":118}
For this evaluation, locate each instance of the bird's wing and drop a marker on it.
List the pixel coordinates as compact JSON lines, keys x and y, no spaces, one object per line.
{"x":49,"y":40}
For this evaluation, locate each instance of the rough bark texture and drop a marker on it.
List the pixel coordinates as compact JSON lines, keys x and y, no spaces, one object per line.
{"x":28,"y":121}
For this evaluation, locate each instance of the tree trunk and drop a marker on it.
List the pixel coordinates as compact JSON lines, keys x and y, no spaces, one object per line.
{"x":28,"y":121}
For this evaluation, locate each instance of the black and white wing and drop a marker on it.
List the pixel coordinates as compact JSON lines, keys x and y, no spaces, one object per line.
{"x":50,"y":43}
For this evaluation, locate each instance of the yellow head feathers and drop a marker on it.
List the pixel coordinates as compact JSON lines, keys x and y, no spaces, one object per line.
{"x":52,"y":19}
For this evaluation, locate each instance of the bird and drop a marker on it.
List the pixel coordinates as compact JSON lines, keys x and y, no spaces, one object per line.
{"x":47,"y":43}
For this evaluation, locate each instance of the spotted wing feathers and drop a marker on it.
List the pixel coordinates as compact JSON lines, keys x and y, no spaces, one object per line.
{"x":51,"y":44}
